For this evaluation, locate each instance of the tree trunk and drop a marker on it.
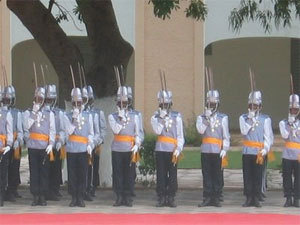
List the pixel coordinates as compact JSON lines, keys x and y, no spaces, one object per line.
{"x":53,"y":40}
{"x":109,"y":48}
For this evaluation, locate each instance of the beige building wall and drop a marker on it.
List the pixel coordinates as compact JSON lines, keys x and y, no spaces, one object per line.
{"x":176,"y":46}
{"x":5,"y":57}
{"x":270,"y":61}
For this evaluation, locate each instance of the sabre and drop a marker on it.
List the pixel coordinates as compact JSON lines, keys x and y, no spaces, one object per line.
{"x":119,"y":83}
{"x":73,"y":80}
{"x":162,"y":87}
{"x":80,"y":78}
{"x":42,"y":69}
{"x":208,"y":83}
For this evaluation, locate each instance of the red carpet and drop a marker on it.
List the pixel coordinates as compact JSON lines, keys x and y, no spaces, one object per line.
{"x":155,"y":219}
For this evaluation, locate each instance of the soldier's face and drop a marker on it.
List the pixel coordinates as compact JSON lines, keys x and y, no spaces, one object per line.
{"x":124,"y":104}
{"x":77,"y":104}
{"x":39,"y":100}
{"x":48,"y":101}
{"x":6,"y":101}
{"x":211,"y":105}
{"x":253,"y":107}
{"x":294,"y":111}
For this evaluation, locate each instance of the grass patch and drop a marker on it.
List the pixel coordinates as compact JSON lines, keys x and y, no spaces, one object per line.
{"x":192,"y":160}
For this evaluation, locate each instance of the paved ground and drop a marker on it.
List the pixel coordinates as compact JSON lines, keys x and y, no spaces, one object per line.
{"x":145,"y":203}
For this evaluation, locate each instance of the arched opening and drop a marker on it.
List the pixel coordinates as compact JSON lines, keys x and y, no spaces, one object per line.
{"x":271,"y":59}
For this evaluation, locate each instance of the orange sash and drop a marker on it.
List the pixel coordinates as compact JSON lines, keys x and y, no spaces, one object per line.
{"x":253,"y":144}
{"x":211,"y":140}
{"x":124,"y":138}
{"x":80,"y":139}
{"x":39,"y":137}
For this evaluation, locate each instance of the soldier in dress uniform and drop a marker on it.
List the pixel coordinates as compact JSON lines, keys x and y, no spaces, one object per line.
{"x":6,"y":144}
{"x":55,"y":173}
{"x":256,"y":129}
{"x":14,"y":156}
{"x":78,"y":126}
{"x":168,"y":125}
{"x":290,"y":132}
{"x":213,"y":126}
{"x":125,"y":127}
{"x":100,"y":132}
{"x":39,"y":135}
{"x":141,"y":131}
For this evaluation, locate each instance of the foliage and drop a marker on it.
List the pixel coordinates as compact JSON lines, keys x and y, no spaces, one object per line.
{"x":191,"y":135}
{"x":147,"y":164}
{"x":254,"y":10}
{"x":163,"y":8}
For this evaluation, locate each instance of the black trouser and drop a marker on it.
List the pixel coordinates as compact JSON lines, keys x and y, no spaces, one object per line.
{"x":133,"y":175}
{"x":96,"y":165}
{"x":77,"y":170}
{"x":3,"y":172}
{"x":93,"y":175}
{"x":252,"y":176}
{"x":212,"y":175}
{"x":290,"y":170}
{"x":264,"y":183}
{"x":166,"y":174}
{"x":39,"y":171}
{"x":55,"y":174}
{"x":13,"y":171}
{"x":122,"y":179}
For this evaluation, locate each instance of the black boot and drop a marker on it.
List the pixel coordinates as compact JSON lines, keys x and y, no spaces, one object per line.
{"x":93,"y":192}
{"x":160,"y":201}
{"x":248,"y":202}
{"x":9,"y":196}
{"x":88,"y":197}
{"x":118,"y":201}
{"x":42,"y":200}
{"x":80,"y":202}
{"x":288,"y":202}
{"x":1,"y":199}
{"x":171,"y":202}
{"x":256,"y":202}
{"x":73,"y":202}
{"x":16,"y":194}
{"x":128,"y":201}
{"x":35,"y":201}
{"x":296,"y":202}
{"x":216,"y":202}
{"x":206,"y":202}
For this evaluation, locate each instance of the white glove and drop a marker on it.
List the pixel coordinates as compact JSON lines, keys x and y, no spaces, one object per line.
{"x":263,"y":152}
{"x":135,"y":149}
{"x":5,"y":150}
{"x":207,"y":112}
{"x":223,"y":153}
{"x":291,"y":119}
{"x":251,"y":114}
{"x":76,"y":113}
{"x":89,"y":150}
{"x":36,"y":107}
{"x":162,"y":113}
{"x":16,"y":144}
{"x":58,"y":146}
{"x":176,"y":153}
{"x":122,"y":114}
{"x":49,"y":149}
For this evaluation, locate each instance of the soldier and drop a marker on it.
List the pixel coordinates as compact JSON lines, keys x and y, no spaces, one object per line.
{"x":289,"y":129}
{"x":100,"y":131}
{"x":39,"y":134}
{"x":85,"y":99}
{"x":213,"y":126}
{"x":6,"y":142}
{"x":14,"y":156}
{"x":78,"y":126}
{"x":167,"y":124}
{"x":125,"y":126}
{"x":55,"y":172}
{"x":141,"y":131}
{"x":258,"y":138}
